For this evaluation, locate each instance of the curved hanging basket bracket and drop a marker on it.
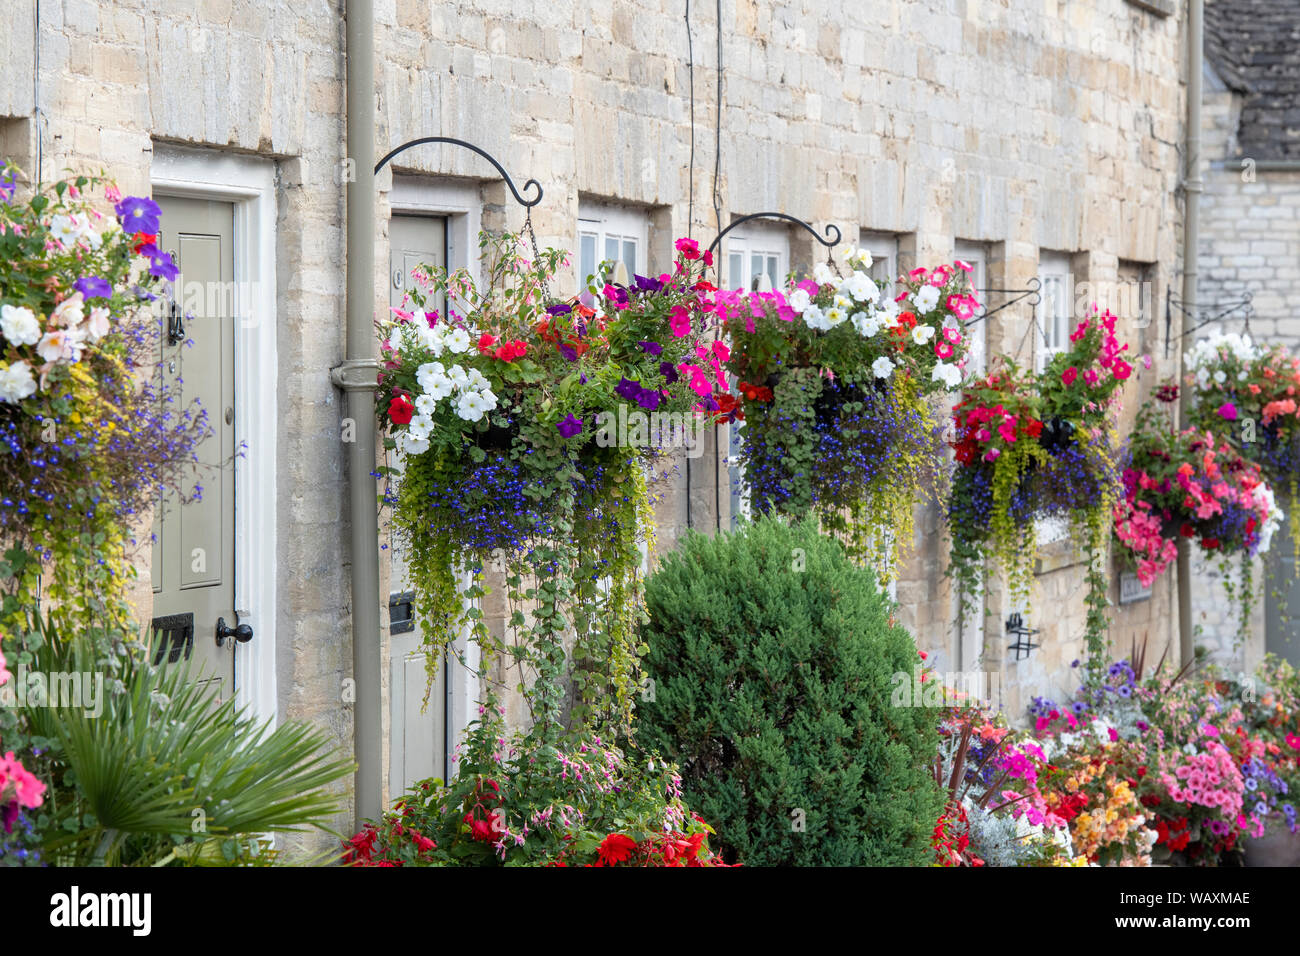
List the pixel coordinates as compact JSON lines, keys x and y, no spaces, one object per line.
{"x":529,"y":186}
{"x":828,"y":242}
{"x":1032,"y":292}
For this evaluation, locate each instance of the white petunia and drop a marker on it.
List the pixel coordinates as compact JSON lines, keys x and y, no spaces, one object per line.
{"x":925,"y":298}
{"x":799,"y":300}
{"x":439,"y":387}
{"x":489,"y":398}
{"x":822,"y":274}
{"x":412,"y":445}
{"x":428,"y":373}
{"x":864,"y":259}
{"x":421,"y":425}
{"x":947,"y":373}
{"x":19,"y":325}
{"x":477,"y":381}
{"x":471,"y":407}
{"x":866,"y":323}
{"x":889,"y":310}
{"x":426,"y":405}
{"x":458,"y":377}
{"x":882,"y":367}
{"x":835,"y":316}
{"x":848,"y":252}
{"x":815,"y":318}
{"x":861,"y":287}
{"x":1220,"y":376}
{"x":458,"y":341}
{"x":16,"y":382}
{"x":65,"y":229}
{"x":922,"y":334}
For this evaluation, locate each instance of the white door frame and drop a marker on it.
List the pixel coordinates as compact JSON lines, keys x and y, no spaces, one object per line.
{"x":461,"y":204}
{"x":249,"y":184}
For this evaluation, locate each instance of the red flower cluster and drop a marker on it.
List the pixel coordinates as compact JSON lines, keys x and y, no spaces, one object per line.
{"x":482,"y":824}
{"x":506,"y":351}
{"x":665,"y":849}
{"x":400,"y":410}
{"x":755,"y":393}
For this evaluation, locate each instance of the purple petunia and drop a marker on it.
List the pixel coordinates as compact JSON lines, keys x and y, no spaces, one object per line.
{"x":559,"y":308}
{"x":651,"y":348}
{"x":138,"y":214}
{"x":8,"y":184}
{"x":160,"y":263}
{"x":628,"y":389}
{"x":668,"y":371}
{"x":93,"y":287}
{"x":570,"y":426}
{"x":569,"y":352}
{"x":647,"y":284}
{"x":648,"y":399}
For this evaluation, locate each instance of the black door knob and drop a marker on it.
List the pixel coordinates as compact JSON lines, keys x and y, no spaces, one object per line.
{"x":243,"y":633}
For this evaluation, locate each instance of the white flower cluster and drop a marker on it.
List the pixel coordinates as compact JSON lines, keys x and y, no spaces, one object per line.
{"x":858,"y":300}
{"x":1266,"y":501}
{"x":471,"y":393}
{"x":1001,"y":839}
{"x":1209,"y":352}
{"x":62,"y":344}
{"x":439,"y":338}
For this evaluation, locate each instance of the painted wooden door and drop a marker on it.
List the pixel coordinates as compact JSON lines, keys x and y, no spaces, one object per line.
{"x":418,"y":742}
{"x":193,"y":561}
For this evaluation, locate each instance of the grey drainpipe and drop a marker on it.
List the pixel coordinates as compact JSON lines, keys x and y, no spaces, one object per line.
{"x":1193,"y":187}
{"x":357,"y":376}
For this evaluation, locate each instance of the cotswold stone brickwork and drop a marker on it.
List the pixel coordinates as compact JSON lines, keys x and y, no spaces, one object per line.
{"x":1250,"y":243}
{"x":1023,"y":127}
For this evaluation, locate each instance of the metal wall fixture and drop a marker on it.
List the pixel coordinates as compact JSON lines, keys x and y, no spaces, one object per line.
{"x":1033,"y":292}
{"x":829,"y":242}
{"x":1218,"y":312}
{"x":530,"y":185}
{"x":1022,"y":634}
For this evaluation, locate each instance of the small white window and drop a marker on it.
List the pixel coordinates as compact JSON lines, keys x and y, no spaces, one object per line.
{"x":976,"y":255}
{"x":1053,"y":314}
{"x":755,"y":250}
{"x":883,"y":247}
{"x":614,"y":234}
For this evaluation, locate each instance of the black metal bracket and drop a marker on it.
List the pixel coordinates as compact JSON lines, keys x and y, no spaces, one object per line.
{"x":1205,"y":316}
{"x":1033,"y":293}
{"x":1017,"y":629}
{"x":531,"y":184}
{"x":828,"y":242}
{"x":401,"y":612}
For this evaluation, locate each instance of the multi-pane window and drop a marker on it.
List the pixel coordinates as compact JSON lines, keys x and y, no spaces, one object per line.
{"x":612,"y":234}
{"x":1054,"y":307}
{"x":884,"y":257}
{"x":757,"y":251}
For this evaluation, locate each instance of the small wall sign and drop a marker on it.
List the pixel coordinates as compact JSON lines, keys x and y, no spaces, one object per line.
{"x":1131,"y":589}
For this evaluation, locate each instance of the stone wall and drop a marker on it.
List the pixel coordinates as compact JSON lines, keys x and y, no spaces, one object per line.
{"x":1026,"y":127}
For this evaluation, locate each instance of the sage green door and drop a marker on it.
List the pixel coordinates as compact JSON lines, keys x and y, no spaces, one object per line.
{"x":418,"y":743}
{"x":193,"y":561}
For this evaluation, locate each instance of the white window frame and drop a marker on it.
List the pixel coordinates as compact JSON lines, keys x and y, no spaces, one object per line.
{"x":1054,"y":312}
{"x":766,"y":239}
{"x":604,"y":222}
{"x":883,"y":247}
{"x":247,"y":183}
{"x":976,"y":255}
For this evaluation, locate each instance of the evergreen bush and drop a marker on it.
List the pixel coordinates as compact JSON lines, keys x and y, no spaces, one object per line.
{"x":772,"y":661}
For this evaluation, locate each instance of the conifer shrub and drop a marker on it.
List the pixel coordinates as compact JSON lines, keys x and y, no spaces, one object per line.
{"x":771,"y":659}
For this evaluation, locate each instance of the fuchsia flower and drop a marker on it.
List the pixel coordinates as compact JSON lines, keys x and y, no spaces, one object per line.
{"x":1228,"y":411}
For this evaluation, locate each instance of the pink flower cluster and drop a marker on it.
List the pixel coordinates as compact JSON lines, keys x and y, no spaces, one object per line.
{"x":1141,"y":531}
{"x":1108,"y":358}
{"x":1210,"y":779}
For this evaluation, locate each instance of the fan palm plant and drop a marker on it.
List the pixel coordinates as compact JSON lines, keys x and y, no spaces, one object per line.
{"x":167,"y":772}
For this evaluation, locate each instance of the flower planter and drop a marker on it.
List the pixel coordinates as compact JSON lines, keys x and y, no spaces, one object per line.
{"x":1275,"y":848}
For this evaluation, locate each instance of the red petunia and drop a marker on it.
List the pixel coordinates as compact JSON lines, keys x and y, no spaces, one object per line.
{"x":1033,"y":428}
{"x":400,"y":410}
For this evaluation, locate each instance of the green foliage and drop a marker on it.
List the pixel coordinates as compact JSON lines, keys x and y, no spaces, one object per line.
{"x":159,"y":771}
{"x":772,"y":659}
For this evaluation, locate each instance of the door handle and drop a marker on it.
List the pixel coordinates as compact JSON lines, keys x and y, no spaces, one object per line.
{"x":243,"y":633}
{"x":175,"y":324}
